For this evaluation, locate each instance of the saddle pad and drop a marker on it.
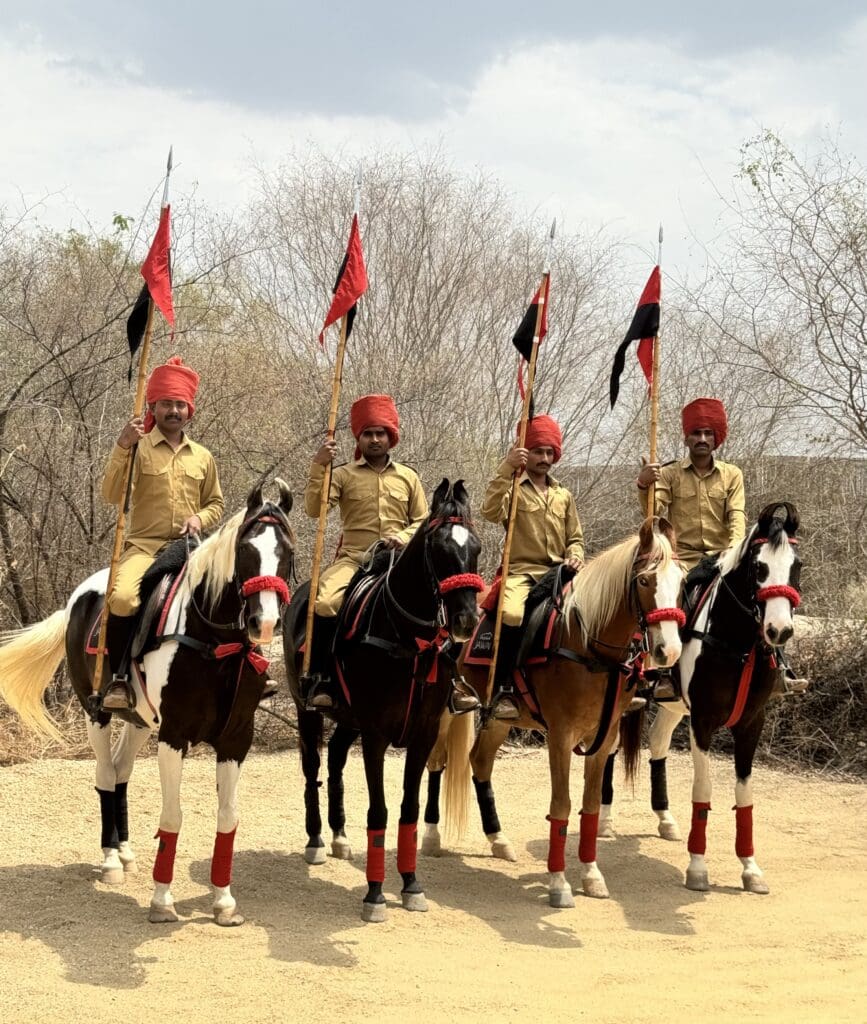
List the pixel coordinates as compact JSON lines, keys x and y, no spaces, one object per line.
{"x":540,"y":647}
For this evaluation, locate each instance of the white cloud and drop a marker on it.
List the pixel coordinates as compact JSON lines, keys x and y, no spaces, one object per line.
{"x":616,"y":130}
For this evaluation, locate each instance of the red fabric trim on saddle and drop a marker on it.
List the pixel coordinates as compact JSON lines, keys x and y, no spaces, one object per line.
{"x":362,"y":604}
{"x":92,"y":640}
{"x":780,"y":590}
{"x":743,"y":690}
{"x":489,"y":604}
{"x":161,"y":625}
{"x":258,"y":583}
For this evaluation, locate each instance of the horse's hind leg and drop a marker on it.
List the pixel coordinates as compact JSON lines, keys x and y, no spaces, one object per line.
{"x":310,"y":737}
{"x":606,"y":821}
{"x":746,"y":740}
{"x":99,"y":735}
{"x":123,"y":754}
{"x":659,"y":740}
{"x":559,"y":761}
{"x":488,"y":742}
{"x":171,"y":762}
{"x":228,"y":772}
{"x":696,"y":873}
{"x":592,"y":881}
{"x":431,"y":843}
{"x":338,"y":750}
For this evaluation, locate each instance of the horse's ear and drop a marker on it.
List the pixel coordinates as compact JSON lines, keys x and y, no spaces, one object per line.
{"x":667,"y":530}
{"x":254,"y":501}
{"x":441,"y":494}
{"x":459,"y":493}
{"x":285,"y":501}
{"x":645,"y":534}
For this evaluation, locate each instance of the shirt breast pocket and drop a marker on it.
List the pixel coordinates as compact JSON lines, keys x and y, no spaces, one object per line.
{"x":559,"y":506}
{"x":193,"y":478}
{"x":396,"y":492}
{"x":526,"y":502}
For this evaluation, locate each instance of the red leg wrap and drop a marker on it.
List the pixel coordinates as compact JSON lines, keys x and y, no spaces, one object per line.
{"x":744,"y":831}
{"x":407,"y":842}
{"x":697,"y":842}
{"x":221,"y":861}
{"x":164,"y":865}
{"x":557,"y":843}
{"x":587,"y":841}
{"x":376,"y":855}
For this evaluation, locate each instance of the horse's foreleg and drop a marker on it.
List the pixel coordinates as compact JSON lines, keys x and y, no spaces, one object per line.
{"x":488,"y":742}
{"x":659,"y":738}
{"x":130,"y":741}
{"x":559,"y":761}
{"x":592,"y":880}
{"x":412,"y":893}
{"x":99,"y":735}
{"x":696,"y":873}
{"x":746,"y":741}
{"x":170,"y":760}
{"x":228,"y":773}
{"x":310,"y":735}
{"x":338,"y":751}
{"x":431,"y":843}
{"x":373,"y":906}
{"x":606,"y":821}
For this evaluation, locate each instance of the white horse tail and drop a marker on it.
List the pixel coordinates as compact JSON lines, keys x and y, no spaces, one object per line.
{"x":459,"y":743}
{"x":28,"y":660}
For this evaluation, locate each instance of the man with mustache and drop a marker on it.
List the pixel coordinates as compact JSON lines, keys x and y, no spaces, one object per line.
{"x":547,"y":533}
{"x":175,"y":493}
{"x":703,"y":497}
{"x":380,"y":500}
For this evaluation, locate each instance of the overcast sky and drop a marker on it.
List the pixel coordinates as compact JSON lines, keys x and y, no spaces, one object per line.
{"x":620,"y":114}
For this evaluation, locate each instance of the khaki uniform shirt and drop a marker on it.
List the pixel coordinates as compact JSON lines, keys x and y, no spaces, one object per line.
{"x":372,"y":505}
{"x":707,"y":512}
{"x":168,"y":487}
{"x":547,"y":528}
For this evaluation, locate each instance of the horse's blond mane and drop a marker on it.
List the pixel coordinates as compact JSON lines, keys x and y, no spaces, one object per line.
{"x":598,"y":589}
{"x":731,"y":557}
{"x":214,"y":560}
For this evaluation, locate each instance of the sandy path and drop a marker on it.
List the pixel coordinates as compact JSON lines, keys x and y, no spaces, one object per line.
{"x":490,"y":948}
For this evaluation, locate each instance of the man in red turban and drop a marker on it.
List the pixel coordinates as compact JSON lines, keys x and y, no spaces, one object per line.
{"x":380,"y":500}
{"x":547,"y":532}
{"x":703,"y":498}
{"x":175,"y":492}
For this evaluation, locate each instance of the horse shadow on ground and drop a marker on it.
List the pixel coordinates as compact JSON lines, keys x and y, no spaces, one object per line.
{"x":649,"y":891}
{"x":94,"y":929}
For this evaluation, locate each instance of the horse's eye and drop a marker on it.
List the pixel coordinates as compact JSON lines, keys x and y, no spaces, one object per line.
{"x":762,"y":571}
{"x":642,"y":581}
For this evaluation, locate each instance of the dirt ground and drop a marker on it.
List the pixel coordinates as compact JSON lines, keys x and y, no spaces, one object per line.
{"x":71,"y":949}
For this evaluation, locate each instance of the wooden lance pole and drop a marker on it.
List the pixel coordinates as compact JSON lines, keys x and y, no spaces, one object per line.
{"x":522,"y":437}
{"x":123,"y":508}
{"x":654,"y":394}
{"x":319,"y":546}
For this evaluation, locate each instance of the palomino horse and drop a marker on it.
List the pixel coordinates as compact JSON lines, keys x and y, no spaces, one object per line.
{"x":200,"y":681}
{"x":395,"y":685}
{"x":725,"y":679}
{"x":579,"y":697}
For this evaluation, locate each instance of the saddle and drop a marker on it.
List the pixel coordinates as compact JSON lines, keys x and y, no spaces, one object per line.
{"x":540,"y":627}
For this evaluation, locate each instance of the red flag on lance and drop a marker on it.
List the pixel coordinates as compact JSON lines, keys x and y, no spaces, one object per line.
{"x":523,"y":339}
{"x":350,"y":285}
{"x":644,"y":328}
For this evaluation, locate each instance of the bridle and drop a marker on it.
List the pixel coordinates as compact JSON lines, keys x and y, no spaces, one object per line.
{"x":441,"y":587}
{"x":762,"y":594}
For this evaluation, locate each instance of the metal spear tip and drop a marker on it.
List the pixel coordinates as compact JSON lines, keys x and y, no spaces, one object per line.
{"x":554,"y":229}
{"x":169,"y":161}
{"x":660,"y":232}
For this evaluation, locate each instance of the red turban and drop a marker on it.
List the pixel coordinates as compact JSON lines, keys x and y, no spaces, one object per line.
{"x":543,"y":432}
{"x":374,"y":411}
{"x":171,"y":380}
{"x":709,"y":413}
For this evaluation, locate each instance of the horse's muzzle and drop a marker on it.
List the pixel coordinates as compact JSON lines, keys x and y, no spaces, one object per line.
{"x":462,"y":625}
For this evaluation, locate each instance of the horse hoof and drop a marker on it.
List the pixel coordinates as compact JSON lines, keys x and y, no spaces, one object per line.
{"x":112,"y":876}
{"x":697,"y":881}
{"x":502,"y":849}
{"x":755,"y":883}
{"x":431,"y":845}
{"x":373,"y":913}
{"x":595,"y":888}
{"x":162,"y":915}
{"x":606,"y":829}
{"x":130,"y":867}
{"x":340,"y":849}
{"x":314,"y":854}
{"x":669,"y":830}
{"x":228,"y":918}
{"x":561,"y":899}
{"x":414,"y":901}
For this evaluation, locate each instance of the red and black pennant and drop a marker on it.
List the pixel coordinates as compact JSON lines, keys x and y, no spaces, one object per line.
{"x":350,"y":285}
{"x":644,"y":328}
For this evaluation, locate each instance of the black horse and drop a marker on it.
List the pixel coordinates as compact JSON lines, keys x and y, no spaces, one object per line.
{"x":395,"y":675}
{"x":729,"y":654}
{"x":198,"y":679}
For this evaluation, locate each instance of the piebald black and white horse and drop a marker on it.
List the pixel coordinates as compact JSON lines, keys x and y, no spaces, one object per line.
{"x":725,"y":675}
{"x":200,"y":682}
{"x":396,"y":685}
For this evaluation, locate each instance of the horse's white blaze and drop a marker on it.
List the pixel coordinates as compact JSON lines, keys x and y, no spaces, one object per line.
{"x":170,"y":764}
{"x":228,"y":773}
{"x":269,"y":560}
{"x":778,"y":610}
{"x":460,"y":535}
{"x":667,"y":634}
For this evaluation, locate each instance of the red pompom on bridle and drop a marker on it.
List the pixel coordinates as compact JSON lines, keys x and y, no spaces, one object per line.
{"x":468,"y":580}
{"x":780,"y":590}
{"x":665,"y":615}
{"x":257,"y":583}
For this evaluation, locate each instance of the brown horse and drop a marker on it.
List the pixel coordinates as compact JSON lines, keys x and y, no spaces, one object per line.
{"x":579,"y":696}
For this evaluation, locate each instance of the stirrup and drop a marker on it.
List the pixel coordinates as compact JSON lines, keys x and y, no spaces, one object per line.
{"x":636,"y":704}
{"x":504,"y":706}
{"x":463,"y":699}
{"x":314,"y":692}
{"x":118,"y":696}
